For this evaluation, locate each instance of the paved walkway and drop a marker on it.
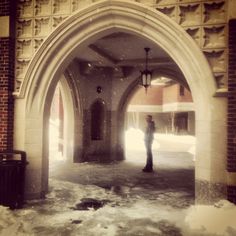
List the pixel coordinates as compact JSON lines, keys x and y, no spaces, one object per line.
{"x":171,"y":183}
{"x":138,"y":203}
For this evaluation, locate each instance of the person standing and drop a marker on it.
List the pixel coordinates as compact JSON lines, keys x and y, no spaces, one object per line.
{"x":148,"y":139}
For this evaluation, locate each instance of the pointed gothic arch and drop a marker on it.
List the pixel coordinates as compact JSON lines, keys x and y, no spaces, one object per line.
{"x":108,"y":16}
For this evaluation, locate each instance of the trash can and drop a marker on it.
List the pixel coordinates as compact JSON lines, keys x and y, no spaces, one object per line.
{"x":12,"y":178}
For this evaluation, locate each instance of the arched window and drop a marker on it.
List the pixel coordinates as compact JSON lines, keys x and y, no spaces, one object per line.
{"x":97,"y":120}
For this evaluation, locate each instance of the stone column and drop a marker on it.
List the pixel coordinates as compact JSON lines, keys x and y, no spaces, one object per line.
{"x":7,"y":55}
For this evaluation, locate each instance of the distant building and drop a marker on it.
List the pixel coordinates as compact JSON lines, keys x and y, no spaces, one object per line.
{"x":170,"y":104}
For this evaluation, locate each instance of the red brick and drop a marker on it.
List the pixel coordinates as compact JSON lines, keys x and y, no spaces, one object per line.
{"x":7,"y":55}
{"x":231,"y":156}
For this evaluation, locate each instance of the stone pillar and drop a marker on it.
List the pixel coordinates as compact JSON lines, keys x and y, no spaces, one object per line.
{"x":231,"y":161}
{"x":7,"y":55}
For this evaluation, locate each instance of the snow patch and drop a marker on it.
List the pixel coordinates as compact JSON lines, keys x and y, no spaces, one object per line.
{"x":55,"y":216}
{"x":218,"y":219}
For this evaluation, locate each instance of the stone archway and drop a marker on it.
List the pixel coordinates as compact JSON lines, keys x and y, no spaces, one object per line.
{"x":67,"y":98}
{"x":108,"y":16}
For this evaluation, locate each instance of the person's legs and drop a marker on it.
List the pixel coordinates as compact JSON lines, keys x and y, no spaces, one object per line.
{"x":149,"y":162}
{"x":149,"y":159}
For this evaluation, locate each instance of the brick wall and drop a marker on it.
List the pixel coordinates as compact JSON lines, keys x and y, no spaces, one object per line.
{"x":153,"y":96}
{"x":172,"y":94}
{"x":7,"y":58}
{"x":231,"y":162}
{"x":231,"y":193}
{"x":158,"y":95}
{"x":4,"y":7}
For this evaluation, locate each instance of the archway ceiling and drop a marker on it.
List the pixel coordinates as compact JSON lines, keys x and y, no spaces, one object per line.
{"x":120,"y":50}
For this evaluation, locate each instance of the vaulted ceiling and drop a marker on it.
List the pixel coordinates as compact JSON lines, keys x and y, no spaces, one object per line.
{"x":122,"y":50}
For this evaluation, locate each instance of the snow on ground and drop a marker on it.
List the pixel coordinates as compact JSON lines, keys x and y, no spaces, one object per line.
{"x":57,"y":215}
{"x":131,"y":213}
{"x":219,"y":219}
{"x":162,"y":142}
{"x":134,"y":142}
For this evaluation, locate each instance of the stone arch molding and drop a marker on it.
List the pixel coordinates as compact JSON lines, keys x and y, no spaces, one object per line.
{"x":103,"y":18}
{"x":100,"y":19}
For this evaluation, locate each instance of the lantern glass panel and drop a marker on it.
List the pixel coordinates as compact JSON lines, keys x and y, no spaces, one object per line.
{"x":144,"y":79}
{"x":148,"y":79}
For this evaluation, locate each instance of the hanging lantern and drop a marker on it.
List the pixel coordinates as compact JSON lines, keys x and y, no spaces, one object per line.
{"x":146,"y":75}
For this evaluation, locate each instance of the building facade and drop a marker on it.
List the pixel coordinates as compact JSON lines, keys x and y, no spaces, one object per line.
{"x":42,"y":44}
{"x":170,"y":105}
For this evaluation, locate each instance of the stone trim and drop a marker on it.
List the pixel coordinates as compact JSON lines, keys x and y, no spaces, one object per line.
{"x":104,"y":21}
{"x":205,"y":22}
{"x":208,"y":193}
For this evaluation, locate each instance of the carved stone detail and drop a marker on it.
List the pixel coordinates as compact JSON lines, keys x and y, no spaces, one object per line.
{"x":214,"y":36}
{"x":212,"y":10}
{"x":75,"y":5}
{"x":148,"y":2}
{"x":24,"y":48}
{"x":37,"y":43}
{"x":189,"y":1}
{"x":195,"y":33}
{"x":169,"y":11}
{"x":17,"y":85}
{"x":24,"y":28}
{"x":21,"y":66}
{"x":217,"y":60}
{"x":58,"y":20}
{"x":24,"y":9}
{"x":165,"y":1}
{"x":61,"y":6}
{"x":204,"y":20}
{"x":221,"y":80}
{"x":42,"y":7}
{"x":42,"y":27}
{"x":190,"y":14}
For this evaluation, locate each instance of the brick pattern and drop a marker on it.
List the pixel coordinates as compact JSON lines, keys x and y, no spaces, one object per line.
{"x":231,"y":162}
{"x":6,"y":89}
{"x":4,"y":7}
{"x":231,"y":193}
{"x":7,"y":59}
